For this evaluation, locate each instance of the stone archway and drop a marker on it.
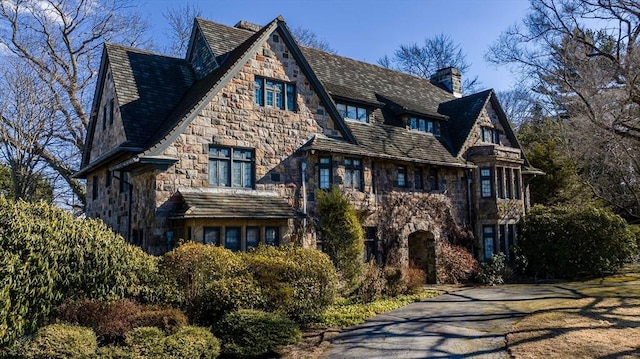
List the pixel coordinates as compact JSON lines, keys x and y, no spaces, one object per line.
{"x":422,"y":253}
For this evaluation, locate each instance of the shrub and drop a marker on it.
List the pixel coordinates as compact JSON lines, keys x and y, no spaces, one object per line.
{"x":298,"y":282}
{"x":192,"y":342}
{"x":342,"y":236}
{"x":248,"y":333}
{"x":575,"y":242}
{"x":491,"y":272}
{"x":146,"y":342}
{"x":113,"y":352}
{"x":48,"y":256}
{"x":396,"y":281}
{"x":167,"y":319}
{"x":416,"y":278}
{"x":213,"y":280}
{"x":455,"y":263}
{"x":373,"y":283}
{"x":62,"y":341}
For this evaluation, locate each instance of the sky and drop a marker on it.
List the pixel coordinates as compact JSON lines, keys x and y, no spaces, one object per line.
{"x":367,"y":30}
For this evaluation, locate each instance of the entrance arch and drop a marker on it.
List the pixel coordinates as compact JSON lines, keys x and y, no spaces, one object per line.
{"x":422,"y":253}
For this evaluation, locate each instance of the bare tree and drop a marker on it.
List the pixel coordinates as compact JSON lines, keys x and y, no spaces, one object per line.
{"x":518,"y":104}
{"x":582,"y":56}
{"x":180,"y":21}
{"x":424,"y":60}
{"x":61,"y":41}
{"x":308,"y":38}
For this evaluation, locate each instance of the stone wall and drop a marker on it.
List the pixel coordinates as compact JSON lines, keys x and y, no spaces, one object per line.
{"x":113,"y":133}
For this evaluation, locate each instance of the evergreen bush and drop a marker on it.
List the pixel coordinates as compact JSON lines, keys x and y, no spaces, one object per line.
{"x":48,"y":256}
{"x":146,"y":342}
{"x":192,"y":342}
{"x":62,"y":341}
{"x":298,"y":282}
{"x":491,"y":272}
{"x":250,"y":333}
{"x":342,"y":236}
{"x":569,"y":242}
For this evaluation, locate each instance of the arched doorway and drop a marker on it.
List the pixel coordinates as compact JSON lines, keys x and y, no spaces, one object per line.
{"x":422,"y":253}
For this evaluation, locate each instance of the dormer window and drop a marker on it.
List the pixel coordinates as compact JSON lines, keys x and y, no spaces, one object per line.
{"x":490,"y":135}
{"x":273,"y":93}
{"x":352,"y":112}
{"x":424,"y":125}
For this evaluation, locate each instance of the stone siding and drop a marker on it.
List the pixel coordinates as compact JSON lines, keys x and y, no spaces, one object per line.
{"x":113,"y":133}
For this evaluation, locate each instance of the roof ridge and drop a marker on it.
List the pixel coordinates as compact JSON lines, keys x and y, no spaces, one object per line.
{"x":140,"y":51}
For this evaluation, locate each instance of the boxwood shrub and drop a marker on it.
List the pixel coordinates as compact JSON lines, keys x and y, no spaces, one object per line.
{"x":299,"y":282}
{"x":146,"y":342}
{"x":192,"y":342}
{"x":48,"y":256}
{"x":569,"y":242}
{"x":62,"y":341}
{"x":250,"y":333}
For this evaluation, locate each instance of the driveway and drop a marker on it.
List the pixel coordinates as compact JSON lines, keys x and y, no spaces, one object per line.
{"x":468,"y":323}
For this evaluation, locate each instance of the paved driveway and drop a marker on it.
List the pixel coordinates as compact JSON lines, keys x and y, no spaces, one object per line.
{"x":469,"y":323}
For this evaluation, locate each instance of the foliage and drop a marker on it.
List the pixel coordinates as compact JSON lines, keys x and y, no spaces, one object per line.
{"x":298,"y":282}
{"x":455,"y":263}
{"x":167,"y":319}
{"x":113,"y":352}
{"x":342,"y":236}
{"x":347,"y":313}
{"x":373,"y":283}
{"x":249,"y":333}
{"x":62,"y":341}
{"x":192,"y":342}
{"x":415,"y":278}
{"x":308,"y":38}
{"x":213,"y":281}
{"x":491,"y":271}
{"x":570,"y":242}
{"x":48,"y":256}
{"x":146,"y":342}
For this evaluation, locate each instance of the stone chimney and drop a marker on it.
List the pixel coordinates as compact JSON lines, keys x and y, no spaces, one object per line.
{"x":450,"y":78}
{"x":246,"y":25}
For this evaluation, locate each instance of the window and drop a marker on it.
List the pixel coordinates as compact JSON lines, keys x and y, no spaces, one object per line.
{"x":230,"y":167}
{"x":124,"y":182}
{"x":503,"y":239}
{"x":111,"y":104}
{"x":104,"y":117}
{"x":252,"y":237}
{"x":107,"y":180}
{"x":94,"y":189}
{"x":508,"y":177}
{"x":212,"y":235}
{"x":433,"y":180}
{"x":325,"y":173}
{"x":352,"y":112}
{"x":402,"y":177}
{"x":417,"y":178}
{"x":232,"y":238}
{"x":500,"y":175}
{"x":516,"y":184}
{"x":272,"y":236}
{"x":511,"y":235}
{"x":424,"y":125}
{"x":353,"y":173}
{"x":490,"y":135}
{"x":273,"y":93}
{"x":486,"y":189}
{"x":488,"y":235}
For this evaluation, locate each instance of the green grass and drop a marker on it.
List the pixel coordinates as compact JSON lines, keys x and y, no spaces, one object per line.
{"x":348,"y":313}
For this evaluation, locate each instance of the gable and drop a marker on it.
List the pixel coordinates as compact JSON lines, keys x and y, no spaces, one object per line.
{"x":199,"y":54}
{"x":108,"y":131}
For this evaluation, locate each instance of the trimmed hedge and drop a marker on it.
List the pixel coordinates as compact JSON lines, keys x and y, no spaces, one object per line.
{"x":62,"y":341}
{"x":192,"y":342}
{"x":146,"y":342}
{"x":571,"y":242}
{"x":298,"y":282}
{"x":48,"y":256}
{"x":250,"y":333}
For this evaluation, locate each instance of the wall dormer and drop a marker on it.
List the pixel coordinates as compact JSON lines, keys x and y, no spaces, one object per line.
{"x":200,"y":55}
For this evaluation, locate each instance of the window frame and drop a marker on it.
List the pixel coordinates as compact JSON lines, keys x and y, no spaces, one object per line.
{"x":490,"y":135}
{"x":345,"y":112}
{"x":488,"y":237}
{"x":246,"y":237}
{"x":284,"y":98}
{"x":425,"y":125}
{"x":231,"y":160}
{"x":500,"y":179}
{"x":350,"y":172}
{"x":108,"y":179}
{"x":326,"y":166}
{"x":434,"y":180}
{"x":508,"y":175}
{"x":401,"y":178}
{"x":276,"y":240}
{"x":214,"y":229}
{"x":227,"y":232}
{"x":418,"y":180}
{"x":516,"y":184}
{"x":104,"y":117}
{"x":486,"y":179}
{"x":111,"y":111}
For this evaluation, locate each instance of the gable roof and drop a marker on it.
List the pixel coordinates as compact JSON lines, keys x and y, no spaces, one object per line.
{"x":463,"y":113}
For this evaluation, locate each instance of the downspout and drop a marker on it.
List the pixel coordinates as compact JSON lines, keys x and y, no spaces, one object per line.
{"x":303,"y":167}
{"x":469,"y":196}
{"x":130,"y":185}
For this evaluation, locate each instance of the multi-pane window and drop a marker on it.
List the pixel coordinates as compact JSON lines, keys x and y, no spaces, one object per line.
{"x":111,"y":105}
{"x":490,"y":135}
{"x":272,"y":236}
{"x":417,"y":178}
{"x":104,"y":117}
{"x":232,"y":238}
{"x":500,"y":179}
{"x":353,"y":173}
{"x":212,"y":235}
{"x":402,"y":177}
{"x":485,"y":182}
{"x":231,"y":167}
{"x":325,"y":170}
{"x":424,"y":125}
{"x":252,"y":237}
{"x":352,"y":112}
{"x":516,"y":184}
{"x":273,"y":93}
{"x":502,"y":239}
{"x":488,"y":235}
{"x":107,"y":180}
{"x":508,"y":177}
{"x":433,"y":180}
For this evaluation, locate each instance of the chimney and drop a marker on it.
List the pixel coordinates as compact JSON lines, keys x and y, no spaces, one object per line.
{"x":246,"y":25}
{"x":450,"y":78}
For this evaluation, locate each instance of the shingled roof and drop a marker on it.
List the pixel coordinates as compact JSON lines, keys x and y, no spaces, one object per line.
{"x":232,"y":204}
{"x":463,"y":113}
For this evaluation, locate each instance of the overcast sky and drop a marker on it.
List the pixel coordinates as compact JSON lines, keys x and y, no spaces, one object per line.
{"x":367,"y":30}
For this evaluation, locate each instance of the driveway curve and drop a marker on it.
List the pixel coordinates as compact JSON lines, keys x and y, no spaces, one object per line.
{"x":468,"y":323}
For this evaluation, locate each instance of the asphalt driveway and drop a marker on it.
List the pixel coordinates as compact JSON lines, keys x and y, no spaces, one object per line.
{"x":468,"y":323}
